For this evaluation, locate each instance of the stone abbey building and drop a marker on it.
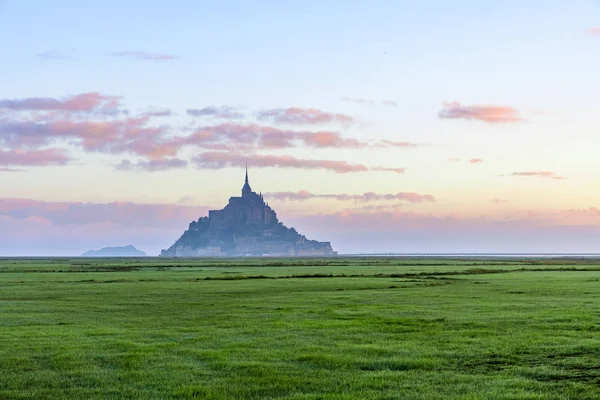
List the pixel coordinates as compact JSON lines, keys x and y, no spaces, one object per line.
{"x":247,"y":226}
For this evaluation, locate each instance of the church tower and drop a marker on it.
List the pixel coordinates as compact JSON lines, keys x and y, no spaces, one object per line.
{"x":246,"y":190}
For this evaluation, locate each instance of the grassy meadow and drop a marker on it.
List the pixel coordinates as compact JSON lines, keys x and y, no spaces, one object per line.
{"x":337,"y":328}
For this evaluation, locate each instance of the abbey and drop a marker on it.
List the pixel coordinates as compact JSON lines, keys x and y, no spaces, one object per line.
{"x":247,"y":226}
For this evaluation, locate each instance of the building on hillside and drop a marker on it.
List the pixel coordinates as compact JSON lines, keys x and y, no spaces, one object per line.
{"x":247,"y":226}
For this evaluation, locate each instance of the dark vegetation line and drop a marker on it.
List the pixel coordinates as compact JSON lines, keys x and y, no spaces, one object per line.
{"x":474,"y":271}
{"x":87,"y":267}
{"x":78,"y":266}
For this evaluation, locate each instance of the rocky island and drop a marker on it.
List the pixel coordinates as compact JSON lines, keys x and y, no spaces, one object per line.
{"x":119,"y":251}
{"x":247,"y":226}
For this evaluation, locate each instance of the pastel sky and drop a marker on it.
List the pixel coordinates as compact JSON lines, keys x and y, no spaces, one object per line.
{"x":381,"y":126}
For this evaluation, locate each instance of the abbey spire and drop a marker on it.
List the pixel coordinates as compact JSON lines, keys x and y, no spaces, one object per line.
{"x":246,"y":190}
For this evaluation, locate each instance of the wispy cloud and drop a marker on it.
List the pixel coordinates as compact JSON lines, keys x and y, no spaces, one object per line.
{"x":490,"y":114}
{"x":303,"y":195}
{"x":219,"y":160}
{"x":475,"y":161}
{"x":394,"y":144}
{"x":84,"y":102}
{"x":389,"y":169}
{"x":164,"y":164}
{"x":370,"y":102}
{"x":142,"y":55}
{"x":10,"y":158}
{"x":594,"y":31}
{"x":157,"y":112}
{"x":223,"y":112}
{"x":54,"y":55}
{"x":539,"y":174}
{"x":303,"y":116}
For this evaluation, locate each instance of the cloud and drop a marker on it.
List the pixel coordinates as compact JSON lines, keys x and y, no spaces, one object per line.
{"x":33,"y":158}
{"x":234,"y":136}
{"x":302,"y":195}
{"x":54,"y":55}
{"x":303,"y":116}
{"x":142,"y":55}
{"x":539,"y":174}
{"x":499,"y":201}
{"x":388,"y":169}
{"x":470,"y":161}
{"x":115,"y":136}
{"x":369,"y":231}
{"x":490,"y":114}
{"x":393,"y":144}
{"x":157,"y":112}
{"x":223,"y":112}
{"x":121,"y":214}
{"x":84,"y":102}
{"x":33,"y":227}
{"x":370,"y":102}
{"x":594,"y":31}
{"x":164,"y":164}
{"x":219,"y":160}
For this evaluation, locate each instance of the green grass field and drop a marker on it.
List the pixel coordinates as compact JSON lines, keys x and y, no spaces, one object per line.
{"x":353,"y":328}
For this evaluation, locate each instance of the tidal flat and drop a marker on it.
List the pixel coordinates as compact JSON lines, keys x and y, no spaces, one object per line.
{"x":298,"y":328}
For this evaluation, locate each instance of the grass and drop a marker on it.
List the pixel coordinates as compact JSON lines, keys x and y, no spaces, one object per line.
{"x":355,"y":328}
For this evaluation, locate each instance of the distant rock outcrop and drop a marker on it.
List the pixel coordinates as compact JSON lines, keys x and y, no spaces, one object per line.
{"x":122,"y":251}
{"x":247,"y":226}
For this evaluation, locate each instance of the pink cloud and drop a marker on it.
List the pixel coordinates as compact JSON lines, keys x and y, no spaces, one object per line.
{"x":475,"y":161}
{"x":142,"y":55}
{"x":32,"y":227}
{"x":539,"y":174}
{"x":391,"y":143}
{"x":302,"y":195}
{"x":329,"y":139}
{"x":70,"y":228}
{"x":114,"y":136}
{"x":594,"y":31}
{"x":218,"y":160}
{"x":33,"y":157}
{"x":236,"y":136}
{"x":367,"y":231}
{"x":84,"y":102}
{"x":303,"y":116}
{"x":490,"y":114}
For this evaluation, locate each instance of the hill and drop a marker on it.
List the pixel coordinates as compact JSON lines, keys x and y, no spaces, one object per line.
{"x":122,"y":251}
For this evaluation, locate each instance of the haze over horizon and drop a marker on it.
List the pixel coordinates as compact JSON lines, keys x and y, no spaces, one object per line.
{"x":390,"y":126}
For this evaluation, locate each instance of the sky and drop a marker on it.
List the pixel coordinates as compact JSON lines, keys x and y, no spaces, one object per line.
{"x":382,"y":126}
